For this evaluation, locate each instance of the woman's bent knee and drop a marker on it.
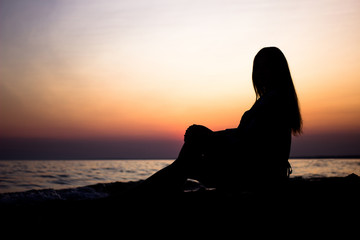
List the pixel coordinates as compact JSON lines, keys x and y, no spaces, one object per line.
{"x":197,"y":132}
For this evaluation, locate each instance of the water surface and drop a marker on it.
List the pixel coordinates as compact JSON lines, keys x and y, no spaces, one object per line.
{"x":18,"y":176}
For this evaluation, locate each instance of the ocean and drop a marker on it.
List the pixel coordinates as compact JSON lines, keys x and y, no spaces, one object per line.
{"x":20,"y":176}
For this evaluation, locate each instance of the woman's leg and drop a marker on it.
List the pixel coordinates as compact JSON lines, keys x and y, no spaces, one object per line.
{"x":187,"y":165}
{"x":167,"y":180}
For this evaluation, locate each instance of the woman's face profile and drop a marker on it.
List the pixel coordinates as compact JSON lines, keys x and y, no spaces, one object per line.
{"x":261,"y":73}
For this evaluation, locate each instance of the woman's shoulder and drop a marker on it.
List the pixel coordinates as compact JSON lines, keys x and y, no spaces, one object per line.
{"x":266,"y":102}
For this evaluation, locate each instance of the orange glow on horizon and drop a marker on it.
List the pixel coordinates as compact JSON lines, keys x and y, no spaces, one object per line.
{"x":89,"y":70}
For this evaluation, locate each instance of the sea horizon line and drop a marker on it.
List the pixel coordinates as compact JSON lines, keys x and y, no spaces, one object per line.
{"x":162,"y":158}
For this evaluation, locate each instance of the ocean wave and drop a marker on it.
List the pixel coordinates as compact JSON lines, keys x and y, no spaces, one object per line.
{"x":45,"y":176}
{"x":90,"y":192}
{"x":97,"y":191}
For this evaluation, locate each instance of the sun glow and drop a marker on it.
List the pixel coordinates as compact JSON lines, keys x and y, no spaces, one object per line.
{"x":151,"y":68}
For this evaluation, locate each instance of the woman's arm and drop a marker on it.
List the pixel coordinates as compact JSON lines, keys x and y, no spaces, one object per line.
{"x":227,"y":132}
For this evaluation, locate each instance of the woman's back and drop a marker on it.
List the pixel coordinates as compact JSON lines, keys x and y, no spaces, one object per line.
{"x":265,"y":139}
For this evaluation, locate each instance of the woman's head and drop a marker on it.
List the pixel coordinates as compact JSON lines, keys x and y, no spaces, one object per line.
{"x":271,"y":73}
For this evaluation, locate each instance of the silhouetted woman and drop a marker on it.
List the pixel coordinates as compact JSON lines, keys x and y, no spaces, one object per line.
{"x":253,"y":155}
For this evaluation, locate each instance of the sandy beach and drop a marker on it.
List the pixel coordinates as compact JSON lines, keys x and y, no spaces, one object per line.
{"x":309,"y":198}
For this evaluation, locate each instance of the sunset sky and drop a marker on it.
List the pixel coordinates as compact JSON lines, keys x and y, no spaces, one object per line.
{"x":141,"y":71}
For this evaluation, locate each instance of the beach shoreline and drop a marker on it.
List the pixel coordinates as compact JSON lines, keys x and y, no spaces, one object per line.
{"x":305,"y":201}
{"x":296,"y":188}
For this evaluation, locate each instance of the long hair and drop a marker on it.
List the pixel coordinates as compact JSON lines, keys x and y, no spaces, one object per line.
{"x":271,"y":73}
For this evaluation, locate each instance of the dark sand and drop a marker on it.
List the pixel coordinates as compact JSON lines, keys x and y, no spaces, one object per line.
{"x":310,"y":201}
